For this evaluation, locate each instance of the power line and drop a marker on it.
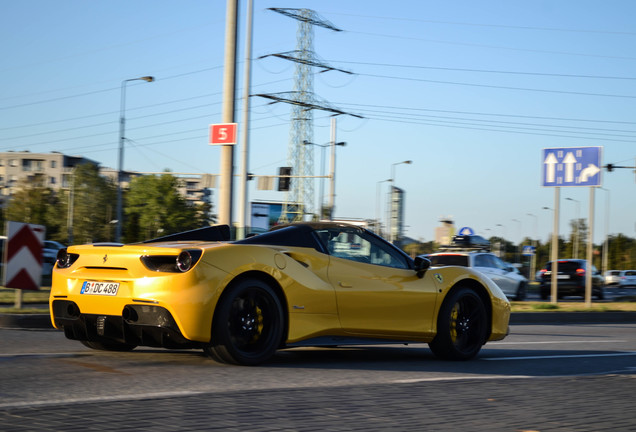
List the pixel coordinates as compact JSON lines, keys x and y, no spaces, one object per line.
{"x":500,"y":87}
{"x":505,"y":26}
{"x":488,"y":71}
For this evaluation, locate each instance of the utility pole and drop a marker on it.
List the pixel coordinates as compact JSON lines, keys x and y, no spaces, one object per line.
{"x":246,"y":119}
{"x":229,"y":90}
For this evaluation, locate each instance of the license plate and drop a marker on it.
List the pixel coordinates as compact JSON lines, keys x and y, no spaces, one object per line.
{"x":563,"y":276}
{"x":100,"y":288}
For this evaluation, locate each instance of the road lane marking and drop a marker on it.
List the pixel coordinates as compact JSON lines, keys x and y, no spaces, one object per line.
{"x":115,"y":398}
{"x":558,"y":342}
{"x":562,"y":356}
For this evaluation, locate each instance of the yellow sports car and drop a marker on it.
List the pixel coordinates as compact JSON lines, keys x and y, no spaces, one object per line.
{"x":302,"y":284}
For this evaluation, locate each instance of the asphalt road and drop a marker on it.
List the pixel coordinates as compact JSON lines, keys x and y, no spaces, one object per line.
{"x":541,"y":378}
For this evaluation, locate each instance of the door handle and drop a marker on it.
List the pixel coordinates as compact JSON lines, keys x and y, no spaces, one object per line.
{"x":345,"y":284}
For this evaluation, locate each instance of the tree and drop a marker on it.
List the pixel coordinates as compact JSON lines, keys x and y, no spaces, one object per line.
{"x":154,"y":208}
{"x":92,"y":198}
{"x":34,"y":203}
{"x":419,"y":248}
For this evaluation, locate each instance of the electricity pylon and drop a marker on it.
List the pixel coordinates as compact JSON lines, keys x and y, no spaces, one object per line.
{"x":300,"y":197}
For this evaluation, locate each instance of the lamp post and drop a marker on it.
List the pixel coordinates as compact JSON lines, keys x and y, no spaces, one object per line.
{"x":122,"y":127}
{"x":503,"y":234}
{"x":322,"y":170}
{"x":575,"y":251}
{"x":519,"y":234}
{"x":378,"y":210}
{"x":390,"y":224}
{"x":606,"y":242}
{"x":533,"y":259}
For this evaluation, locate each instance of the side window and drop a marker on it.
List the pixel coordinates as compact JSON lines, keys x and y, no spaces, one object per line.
{"x":498,"y":263}
{"x":358,"y":246}
{"x":482,"y":261}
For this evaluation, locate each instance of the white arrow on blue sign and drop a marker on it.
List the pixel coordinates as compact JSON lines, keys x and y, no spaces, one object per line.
{"x":466,"y":231}
{"x":572,"y":166}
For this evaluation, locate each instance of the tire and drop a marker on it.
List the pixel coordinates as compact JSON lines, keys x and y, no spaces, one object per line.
{"x":461,"y":326}
{"x":109,"y":346}
{"x":600,"y":295}
{"x":544,"y":294}
{"x":247,"y":327}
{"x":521,"y":292}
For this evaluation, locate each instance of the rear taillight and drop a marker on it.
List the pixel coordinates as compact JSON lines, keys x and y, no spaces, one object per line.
{"x":580,"y":272}
{"x":170,"y":263}
{"x":65,"y":259}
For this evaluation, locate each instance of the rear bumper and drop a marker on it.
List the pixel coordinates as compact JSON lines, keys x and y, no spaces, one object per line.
{"x":141,"y":325}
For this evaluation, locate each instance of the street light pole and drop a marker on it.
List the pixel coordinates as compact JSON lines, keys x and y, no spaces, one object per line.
{"x":533,"y":259}
{"x":120,"y":164}
{"x":322,"y":176}
{"x":575,"y":250}
{"x":606,"y":242}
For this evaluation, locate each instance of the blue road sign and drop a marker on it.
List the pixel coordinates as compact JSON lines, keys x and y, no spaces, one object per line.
{"x":528,"y":251}
{"x":571,"y":166}
{"x":466,"y":231}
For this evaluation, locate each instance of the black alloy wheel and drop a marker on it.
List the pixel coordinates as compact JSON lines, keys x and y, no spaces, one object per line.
{"x":461,"y":326}
{"x":248,"y":324}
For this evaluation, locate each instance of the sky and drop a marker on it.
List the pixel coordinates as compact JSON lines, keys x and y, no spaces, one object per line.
{"x":470,"y":92}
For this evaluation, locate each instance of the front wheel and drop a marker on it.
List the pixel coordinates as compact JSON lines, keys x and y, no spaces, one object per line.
{"x":461,"y":326}
{"x":247,"y":326}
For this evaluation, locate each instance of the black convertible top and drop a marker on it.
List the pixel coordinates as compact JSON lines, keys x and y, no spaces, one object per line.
{"x":299,"y":234}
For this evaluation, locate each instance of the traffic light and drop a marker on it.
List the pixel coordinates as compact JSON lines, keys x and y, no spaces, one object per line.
{"x":283,"y":182}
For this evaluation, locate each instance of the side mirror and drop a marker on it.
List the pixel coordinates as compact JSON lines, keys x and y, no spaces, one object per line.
{"x":421,"y":265}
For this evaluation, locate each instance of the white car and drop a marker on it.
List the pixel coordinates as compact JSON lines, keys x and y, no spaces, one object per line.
{"x":612,"y":277}
{"x":510,"y":281}
{"x":627,"y":279}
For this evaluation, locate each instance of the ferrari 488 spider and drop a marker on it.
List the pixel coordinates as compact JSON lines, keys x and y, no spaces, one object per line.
{"x":302,"y":284}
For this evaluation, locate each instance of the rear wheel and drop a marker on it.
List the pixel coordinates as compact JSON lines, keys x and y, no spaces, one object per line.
{"x":248,"y":324}
{"x":461,"y":326}
{"x":109,"y":346}
{"x":600,"y":295}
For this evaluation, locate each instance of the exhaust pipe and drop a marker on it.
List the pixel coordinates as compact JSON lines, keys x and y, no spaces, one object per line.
{"x":130,"y":314}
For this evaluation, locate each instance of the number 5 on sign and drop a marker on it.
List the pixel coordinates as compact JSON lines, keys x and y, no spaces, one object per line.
{"x":223,"y":133}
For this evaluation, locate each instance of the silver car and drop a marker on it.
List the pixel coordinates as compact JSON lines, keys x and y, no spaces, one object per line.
{"x":627,"y":279}
{"x":507,"y":277}
{"x":612,"y":277}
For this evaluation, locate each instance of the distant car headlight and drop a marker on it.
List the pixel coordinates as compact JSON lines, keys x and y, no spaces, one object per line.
{"x":170,"y":263}
{"x":65,"y":259}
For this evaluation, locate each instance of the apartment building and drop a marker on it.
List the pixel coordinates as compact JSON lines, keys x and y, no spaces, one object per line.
{"x":56,"y":170}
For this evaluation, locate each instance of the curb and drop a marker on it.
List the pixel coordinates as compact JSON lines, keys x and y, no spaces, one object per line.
{"x":26,"y":321}
{"x":43,"y":321}
{"x":572,"y":317}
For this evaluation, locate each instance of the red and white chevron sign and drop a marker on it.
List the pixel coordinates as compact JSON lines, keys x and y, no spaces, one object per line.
{"x":23,"y":256}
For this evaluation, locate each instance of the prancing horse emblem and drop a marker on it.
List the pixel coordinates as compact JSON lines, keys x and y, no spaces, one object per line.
{"x":105,"y":258}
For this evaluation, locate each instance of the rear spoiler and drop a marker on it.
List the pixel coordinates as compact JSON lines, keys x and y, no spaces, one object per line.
{"x":209,"y":234}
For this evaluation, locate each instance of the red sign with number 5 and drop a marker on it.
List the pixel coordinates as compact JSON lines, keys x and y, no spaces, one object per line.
{"x":223,"y":133}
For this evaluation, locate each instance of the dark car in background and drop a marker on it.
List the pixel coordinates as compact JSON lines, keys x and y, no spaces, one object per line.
{"x":570,"y":279}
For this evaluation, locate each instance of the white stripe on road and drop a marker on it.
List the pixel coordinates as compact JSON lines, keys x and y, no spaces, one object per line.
{"x":558,"y":342}
{"x":561,"y":356}
{"x":123,"y":397}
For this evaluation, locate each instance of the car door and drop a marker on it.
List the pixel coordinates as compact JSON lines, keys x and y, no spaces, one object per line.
{"x":377,"y":291}
{"x":507,"y":275}
{"x":496,"y":270}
